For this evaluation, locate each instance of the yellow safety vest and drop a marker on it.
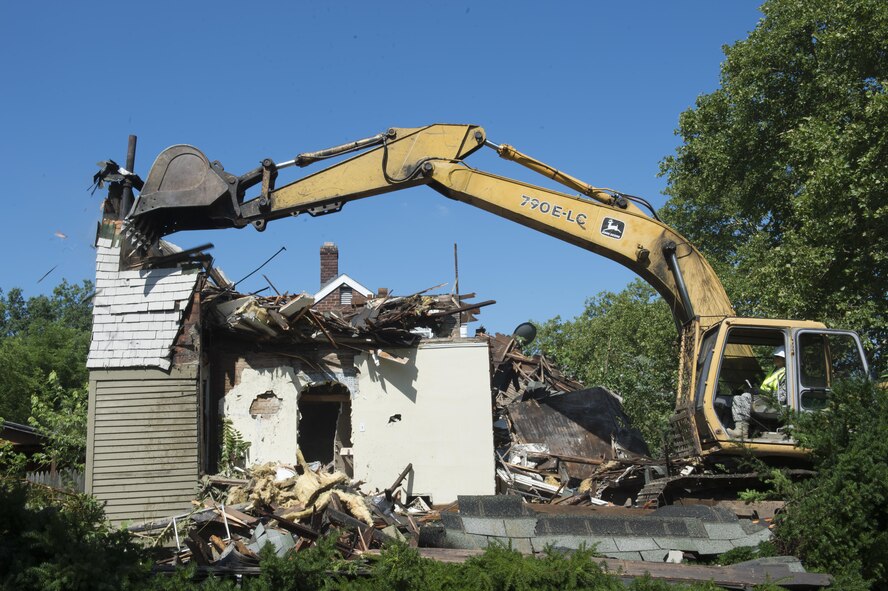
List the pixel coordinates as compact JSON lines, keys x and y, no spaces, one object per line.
{"x":772,"y":382}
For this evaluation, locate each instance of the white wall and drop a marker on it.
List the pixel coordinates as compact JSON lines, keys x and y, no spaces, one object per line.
{"x":445,"y":429}
{"x":273,"y":438}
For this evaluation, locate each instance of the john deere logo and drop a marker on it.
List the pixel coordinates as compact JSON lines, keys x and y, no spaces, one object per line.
{"x":612,"y":228}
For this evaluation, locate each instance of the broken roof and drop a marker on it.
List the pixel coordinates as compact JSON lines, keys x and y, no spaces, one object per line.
{"x":389,"y":320}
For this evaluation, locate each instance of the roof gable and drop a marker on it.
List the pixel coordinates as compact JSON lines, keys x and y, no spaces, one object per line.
{"x":343,"y":279}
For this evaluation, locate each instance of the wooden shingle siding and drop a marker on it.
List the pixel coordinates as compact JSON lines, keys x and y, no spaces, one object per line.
{"x":143,"y":442}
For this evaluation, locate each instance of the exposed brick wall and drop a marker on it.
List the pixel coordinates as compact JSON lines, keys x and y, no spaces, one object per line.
{"x":330,"y":302}
{"x":329,"y":263}
{"x":186,"y":350}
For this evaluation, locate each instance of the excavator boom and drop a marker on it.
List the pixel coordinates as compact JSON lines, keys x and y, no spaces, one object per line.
{"x":185,"y":191}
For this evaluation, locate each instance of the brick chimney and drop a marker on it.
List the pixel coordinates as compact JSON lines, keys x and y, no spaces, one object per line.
{"x":329,"y":263}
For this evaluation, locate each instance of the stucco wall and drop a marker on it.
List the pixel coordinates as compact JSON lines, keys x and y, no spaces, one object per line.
{"x":442,"y":395}
{"x":272,"y":438}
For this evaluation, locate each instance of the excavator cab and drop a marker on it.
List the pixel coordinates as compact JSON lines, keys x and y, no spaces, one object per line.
{"x":740,"y":380}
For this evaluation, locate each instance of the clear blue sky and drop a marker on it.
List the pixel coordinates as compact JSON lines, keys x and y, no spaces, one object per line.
{"x":594,"y":88}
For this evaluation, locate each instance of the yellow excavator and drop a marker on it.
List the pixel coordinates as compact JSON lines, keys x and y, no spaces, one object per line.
{"x":722,"y":356}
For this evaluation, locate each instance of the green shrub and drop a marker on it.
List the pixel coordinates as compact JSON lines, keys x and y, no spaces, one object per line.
{"x":62,"y":544}
{"x":838,"y":521}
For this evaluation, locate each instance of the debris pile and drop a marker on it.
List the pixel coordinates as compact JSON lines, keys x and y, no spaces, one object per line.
{"x":388,"y":320}
{"x":289,"y":507}
{"x":557,"y":441}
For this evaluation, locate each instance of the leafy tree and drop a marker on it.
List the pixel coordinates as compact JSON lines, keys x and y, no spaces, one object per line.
{"x":782,"y":179}
{"x":38,"y":336}
{"x":625,"y":341}
{"x":60,"y":415}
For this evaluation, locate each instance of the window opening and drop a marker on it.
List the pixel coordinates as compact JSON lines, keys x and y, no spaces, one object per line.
{"x":325,"y":424}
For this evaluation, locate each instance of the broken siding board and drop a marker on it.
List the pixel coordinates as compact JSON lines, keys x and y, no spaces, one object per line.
{"x":177,"y":404}
{"x":126,"y":472}
{"x":137,"y":415}
{"x":123,"y":433}
{"x":145,"y":391}
{"x":125,"y":392}
{"x":138,"y":448}
{"x":153,"y":462}
{"x":111,"y":490}
{"x":161,"y":484}
{"x":107,"y":455}
{"x":135,"y":453}
{"x":114,"y":464}
{"x":109,"y":404}
{"x":142,"y":513}
{"x":146,"y":426}
{"x":170,"y":411}
{"x":134,"y":438}
{"x":153,"y":421}
{"x":171,"y":504}
{"x":132,"y":380}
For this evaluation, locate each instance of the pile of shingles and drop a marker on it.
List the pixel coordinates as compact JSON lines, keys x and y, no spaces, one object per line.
{"x":558,"y":441}
{"x":287,"y":507}
{"x":386,"y":320}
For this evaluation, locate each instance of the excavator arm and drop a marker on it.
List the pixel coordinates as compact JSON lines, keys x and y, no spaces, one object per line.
{"x":185,"y":191}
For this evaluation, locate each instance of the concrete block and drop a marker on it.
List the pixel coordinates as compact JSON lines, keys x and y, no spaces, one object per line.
{"x":602,"y":544}
{"x":484,"y":526}
{"x":540,"y":543}
{"x":479,"y":540}
{"x":724,"y":531}
{"x":712,"y":547}
{"x":609,"y":526}
{"x":452,"y":521}
{"x":752,"y":528}
{"x":752,"y":539}
{"x":685,"y":544}
{"x":504,"y":506}
{"x":702,"y":512}
{"x":460,"y":539}
{"x":635,"y":544}
{"x":522,"y":545}
{"x":520,"y":527}
{"x":563,"y":524}
{"x":623,"y":555}
{"x":649,"y":526}
{"x":492,"y":506}
{"x":657,"y":555}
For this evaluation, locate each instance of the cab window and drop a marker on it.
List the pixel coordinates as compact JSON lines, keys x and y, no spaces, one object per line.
{"x":826,"y":358}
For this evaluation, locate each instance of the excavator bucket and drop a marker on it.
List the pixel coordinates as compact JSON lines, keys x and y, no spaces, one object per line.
{"x":184,"y":191}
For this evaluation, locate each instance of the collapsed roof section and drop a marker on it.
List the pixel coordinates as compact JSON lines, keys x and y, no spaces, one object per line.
{"x":386,"y":320}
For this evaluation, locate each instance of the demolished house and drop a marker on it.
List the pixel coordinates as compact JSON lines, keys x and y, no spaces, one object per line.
{"x":279,"y":418}
{"x":188,"y":376}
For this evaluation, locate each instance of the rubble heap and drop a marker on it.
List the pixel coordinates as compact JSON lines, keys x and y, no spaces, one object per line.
{"x":288,"y":506}
{"x":558,"y":441}
{"x":386,"y":320}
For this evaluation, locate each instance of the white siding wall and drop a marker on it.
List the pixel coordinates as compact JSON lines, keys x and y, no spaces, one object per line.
{"x":445,"y":429}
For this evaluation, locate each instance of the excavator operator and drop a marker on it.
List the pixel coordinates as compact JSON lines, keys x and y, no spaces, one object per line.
{"x":773,"y":388}
{"x":775,"y":384}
